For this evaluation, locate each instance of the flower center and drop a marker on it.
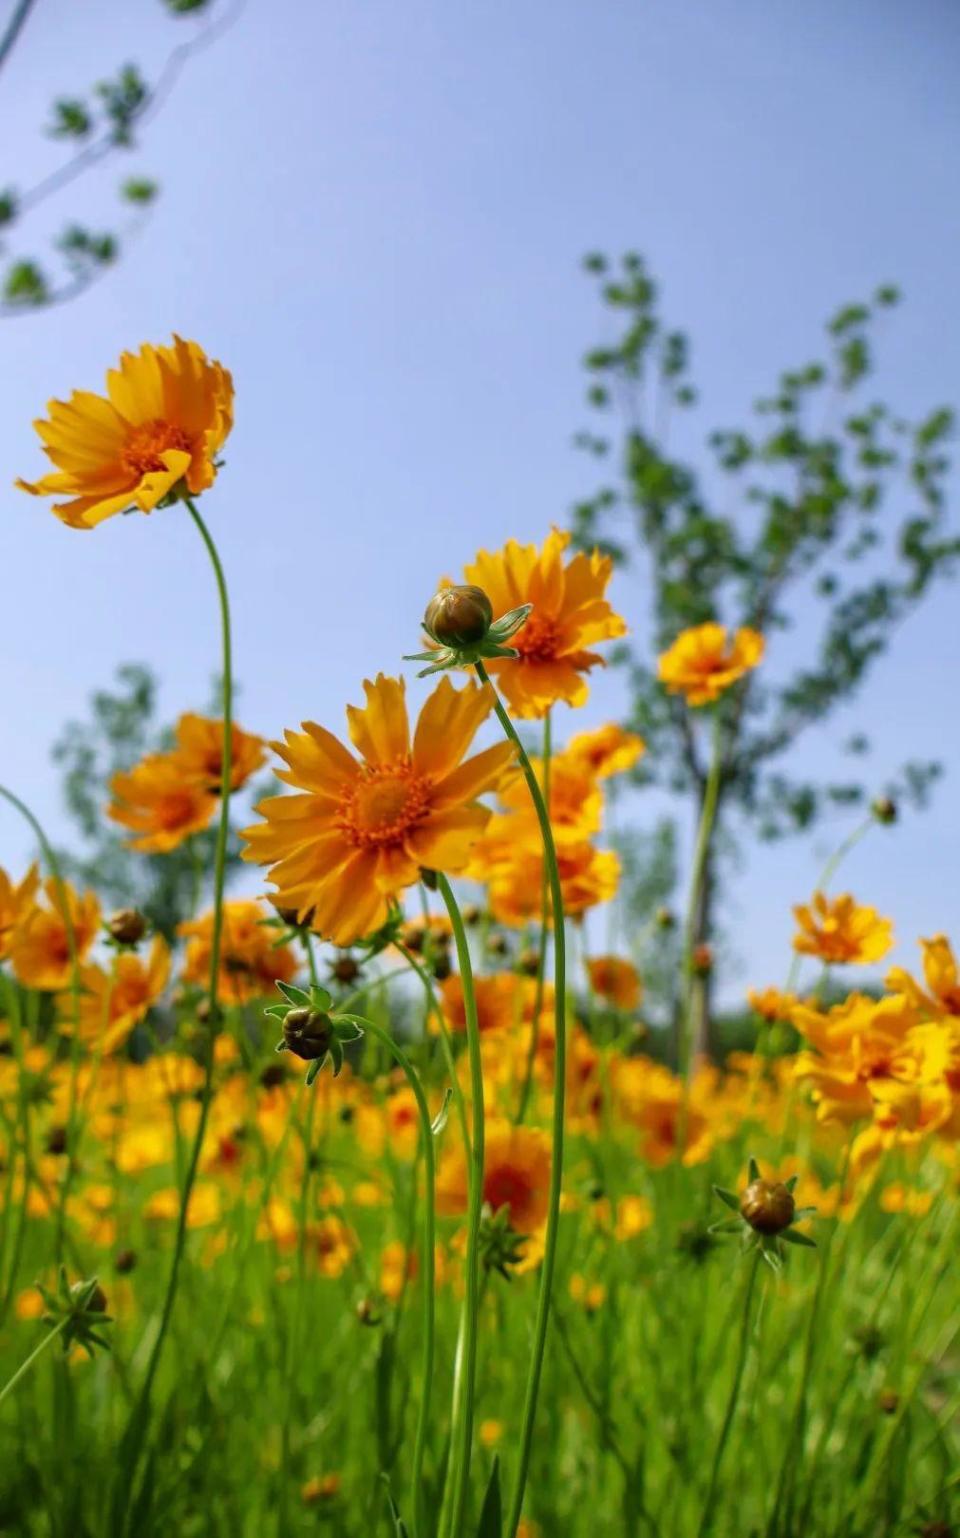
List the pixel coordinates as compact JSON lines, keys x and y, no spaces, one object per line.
{"x":173,"y":811}
{"x":389,"y":801}
{"x":507,"y":1188}
{"x":151,"y":439}
{"x":538,"y":640}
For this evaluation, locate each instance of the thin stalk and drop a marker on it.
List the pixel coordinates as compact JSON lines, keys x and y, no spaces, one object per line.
{"x":140,"y":1414}
{"x":34,"y":1356}
{"x":429,"y":1287}
{"x":559,"y":1108}
{"x":701,"y":850}
{"x":542,"y":951}
{"x":706,"y":1519}
{"x":462,"y":1433}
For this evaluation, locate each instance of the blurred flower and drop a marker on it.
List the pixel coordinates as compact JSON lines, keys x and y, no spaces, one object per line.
{"x":841,"y":930}
{"x":503,"y":1000}
{"x":167,"y":414}
{"x":250,"y":961}
{"x":941,"y":977}
{"x":570,"y":613}
{"x":514,"y":874}
{"x":113,"y":1002}
{"x":608,"y":750}
{"x":199,"y":752}
{"x":40,"y":946}
{"x":16,"y":900}
{"x":615,"y":980}
{"x":516,"y":1175}
{"x":703,"y":662}
{"x":361,"y":832}
{"x":159,"y":803}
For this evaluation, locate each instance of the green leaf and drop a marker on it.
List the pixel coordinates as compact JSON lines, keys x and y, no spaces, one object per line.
{"x":791,"y":1184}
{"x":792,"y":1236}
{"x":729,"y":1198}
{"x":336,"y":1056}
{"x":314,"y":1069}
{"x":399,"y":1526}
{"x":320,"y":998}
{"x":753,"y":1169}
{"x":491,"y":1516}
{"x":440,"y":1120}
{"x":726,"y":1226}
{"x":296,"y":995}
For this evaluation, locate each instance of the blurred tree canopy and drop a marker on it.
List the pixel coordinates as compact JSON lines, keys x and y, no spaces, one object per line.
{"x":94,"y":124}
{"x":826,"y":503}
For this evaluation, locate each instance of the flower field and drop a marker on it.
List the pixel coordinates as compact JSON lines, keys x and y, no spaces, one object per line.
{"x":368,"y":1200}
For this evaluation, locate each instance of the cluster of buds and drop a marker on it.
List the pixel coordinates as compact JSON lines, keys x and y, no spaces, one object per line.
{"x":766,"y":1214}
{"x":460,"y":625}
{"x":80,"y":1309}
{"x":310,"y":1031}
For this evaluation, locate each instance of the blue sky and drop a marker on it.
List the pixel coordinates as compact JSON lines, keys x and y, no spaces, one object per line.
{"x":374,"y":214}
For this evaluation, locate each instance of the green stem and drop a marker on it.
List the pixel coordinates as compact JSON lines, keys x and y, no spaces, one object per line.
{"x":706,"y":1519}
{"x":542,"y":953}
{"x":56,"y":876}
{"x":701,"y":850}
{"x":559,"y":1097}
{"x":34,"y":1356}
{"x":462,"y":1430}
{"x":138,"y":1419}
{"x":429,"y":1281}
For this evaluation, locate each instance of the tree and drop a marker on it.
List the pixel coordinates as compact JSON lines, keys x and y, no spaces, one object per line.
{"x":95,"y":125}
{"x":839,"y":501}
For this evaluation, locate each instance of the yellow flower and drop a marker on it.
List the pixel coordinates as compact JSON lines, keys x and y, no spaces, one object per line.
{"x":490,"y":1432}
{"x":157,"y":800}
{"x":166,"y":415}
{"x":199,"y":752}
{"x":112,"y":1003}
{"x":514,"y":874}
{"x":324,"y":1487}
{"x":516,"y":1175}
{"x":770,"y":1004}
{"x":40,"y":947}
{"x":634,"y":1216}
{"x":576,"y":802}
{"x":570,"y":613}
{"x":840,"y":930}
{"x":615,"y":980}
{"x":941,"y":977}
{"x":16,"y":900}
{"x":703,"y":662}
{"x":250,"y":962}
{"x":361,"y":832}
{"x":608,"y":750}
{"x":398,"y":1265}
{"x":205,"y":1205}
{"x":503,"y":1000}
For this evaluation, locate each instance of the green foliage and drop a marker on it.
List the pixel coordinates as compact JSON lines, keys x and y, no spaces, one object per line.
{"x":648,"y":884}
{"x":139,"y":189}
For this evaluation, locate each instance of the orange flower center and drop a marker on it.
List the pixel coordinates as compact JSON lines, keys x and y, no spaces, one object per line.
{"x":539,"y":640}
{"x":386,"y":804}
{"x":507,"y":1187}
{"x":174,"y":810}
{"x":147,"y":442}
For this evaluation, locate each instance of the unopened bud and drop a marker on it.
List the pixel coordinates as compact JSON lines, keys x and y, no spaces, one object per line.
{"x":665,"y":919}
{"x":884,"y":810}
{"x":458,"y":616}
{"x":127,"y":926}
{"x":124,"y":1262}
{"x":767,"y":1206}
{"x":528,"y":962}
{"x":307,"y":1033}
{"x":344,"y":969}
{"x":701,"y":960}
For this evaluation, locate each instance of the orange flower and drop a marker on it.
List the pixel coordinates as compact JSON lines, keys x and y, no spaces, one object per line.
{"x":702,"y":662}
{"x":840,"y":930}
{"x":112,"y":1003}
{"x":199,"y":752}
{"x":576,"y":802}
{"x":941,"y":977}
{"x":514,"y":875}
{"x":167,"y":414}
{"x":570,"y":613}
{"x":250,"y":962}
{"x":616,"y":980}
{"x":361,"y":832}
{"x":770,"y":1004}
{"x":160,"y":803}
{"x":516,"y":1175}
{"x":40,"y":947}
{"x":16,"y":900}
{"x":503,"y":1000}
{"x":609,"y":750}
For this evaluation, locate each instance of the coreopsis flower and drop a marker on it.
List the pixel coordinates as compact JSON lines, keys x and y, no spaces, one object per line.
{"x":863,"y":1057}
{"x":570,"y":614}
{"x":651,"y":1098}
{"x":516,"y":1175}
{"x":704,"y":661}
{"x":166,"y":415}
{"x":361,"y":831}
{"x":771,"y":1004}
{"x":158,"y":802}
{"x":615,"y":980}
{"x":250,"y":960}
{"x":113,"y":1002}
{"x":766,"y":1216}
{"x":942,"y":994}
{"x":503,"y":1000}
{"x":608,"y":750}
{"x":575,"y":797}
{"x":514,"y":878}
{"x":199,"y":752}
{"x":40,"y":944}
{"x":16,"y":900}
{"x":841,"y":930}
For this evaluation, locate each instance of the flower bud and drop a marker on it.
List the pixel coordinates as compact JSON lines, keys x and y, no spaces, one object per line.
{"x":307,"y":1033}
{"x":471,"y":913}
{"x":124,"y":1262}
{"x":665,"y":919}
{"x":127,"y":926}
{"x":767,"y":1206}
{"x":528,"y":962}
{"x":441,"y":966}
{"x":884,"y":810}
{"x":97,"y":1301}
{"x":344,"y":969}
{"x":57,"y":1140}
{"x":889,"y":1401}
{"x":701,"y":960}
{"x":497,"y":944}
{"x":458,"y":616}
{"x":272,"y":1076}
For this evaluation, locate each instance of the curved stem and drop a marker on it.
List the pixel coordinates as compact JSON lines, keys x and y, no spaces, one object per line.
{"x":542,"y":953}
{"x":38,"y":1351}
{"x":141,"y":1411}
{"x":704,"y":833}
{"x":707,"y":1518}
{"x":465,"y":1384}
{"x":559,"y":1096}
{"x":429,"y":1246}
